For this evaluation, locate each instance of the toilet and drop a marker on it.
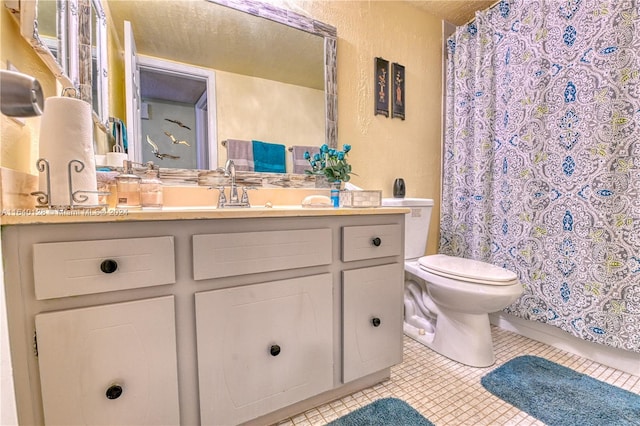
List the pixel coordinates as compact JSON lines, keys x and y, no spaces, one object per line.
{"x":447,"y":300}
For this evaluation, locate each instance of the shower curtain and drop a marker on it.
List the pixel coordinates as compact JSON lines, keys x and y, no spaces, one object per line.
{"x":542,"y":159}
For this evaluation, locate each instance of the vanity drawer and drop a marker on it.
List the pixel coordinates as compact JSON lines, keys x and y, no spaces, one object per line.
{"x":370,"y":242}
{"x":87,"y":267}
{"x":223,"y":255}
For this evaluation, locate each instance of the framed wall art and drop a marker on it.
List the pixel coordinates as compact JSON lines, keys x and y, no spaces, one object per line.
{"x":398,"y":92}
{"x":382,"y":86}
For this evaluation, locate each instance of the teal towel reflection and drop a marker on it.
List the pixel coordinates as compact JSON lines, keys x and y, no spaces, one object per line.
{"x":269,"y":157}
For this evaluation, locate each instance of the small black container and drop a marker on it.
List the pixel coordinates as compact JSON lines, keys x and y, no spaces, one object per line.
{"x":399,"y":189}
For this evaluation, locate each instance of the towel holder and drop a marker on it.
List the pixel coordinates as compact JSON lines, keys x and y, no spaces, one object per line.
{"x":224,"y":143}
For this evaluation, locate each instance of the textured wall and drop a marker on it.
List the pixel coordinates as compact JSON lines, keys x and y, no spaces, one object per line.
{"x":386,"y":148}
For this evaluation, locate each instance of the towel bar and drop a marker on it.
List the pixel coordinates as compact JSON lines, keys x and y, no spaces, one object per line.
{"x":224,"y":143}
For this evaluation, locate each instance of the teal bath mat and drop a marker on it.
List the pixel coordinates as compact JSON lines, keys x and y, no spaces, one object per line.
{"x":560,"y":396}
{"x":383,"y":412}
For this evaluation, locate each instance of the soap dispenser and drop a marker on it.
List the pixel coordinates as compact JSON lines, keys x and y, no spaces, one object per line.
{"x":128,"y":186}
{"x":151,"y":188}
{"x":399,"y":188}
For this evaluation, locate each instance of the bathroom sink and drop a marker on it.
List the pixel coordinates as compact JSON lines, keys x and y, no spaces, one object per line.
{"x":202,"y":198}
{"x":188,"y":208}
{"x":212,"y":208}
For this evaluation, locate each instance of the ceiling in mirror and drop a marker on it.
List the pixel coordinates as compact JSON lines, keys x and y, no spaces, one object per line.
{"x":218,"y":37}
{"x":163,"y":86}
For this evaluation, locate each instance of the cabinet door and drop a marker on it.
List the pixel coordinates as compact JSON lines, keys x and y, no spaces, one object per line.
{"x":372,"y":319}
{"x":262,"y":347}
{"x":111,"y":364}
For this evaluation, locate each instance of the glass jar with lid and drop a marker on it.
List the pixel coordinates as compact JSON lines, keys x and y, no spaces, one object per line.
{"x":151,"y":188}
{"x":128,"y":186}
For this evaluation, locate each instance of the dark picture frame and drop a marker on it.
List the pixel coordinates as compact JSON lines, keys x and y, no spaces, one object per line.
{"x":381,"y":85}
{"x":398,"y":95}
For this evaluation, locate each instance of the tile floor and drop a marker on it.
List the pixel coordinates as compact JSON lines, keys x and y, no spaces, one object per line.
{"x":448,"y":393}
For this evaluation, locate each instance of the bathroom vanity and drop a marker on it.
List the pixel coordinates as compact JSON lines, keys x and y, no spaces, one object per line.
{"x":200,"y":317}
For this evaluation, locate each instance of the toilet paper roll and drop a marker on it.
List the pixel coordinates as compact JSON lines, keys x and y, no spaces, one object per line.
{"x":116,"y":159}
{"x":66,"y":133}
{"x":101,"y":160}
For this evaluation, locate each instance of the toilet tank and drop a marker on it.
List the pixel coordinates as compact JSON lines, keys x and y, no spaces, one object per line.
{"x":416,"y":223}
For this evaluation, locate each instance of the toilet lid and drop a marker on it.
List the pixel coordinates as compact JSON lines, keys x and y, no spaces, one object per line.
{"x":467,"y":270}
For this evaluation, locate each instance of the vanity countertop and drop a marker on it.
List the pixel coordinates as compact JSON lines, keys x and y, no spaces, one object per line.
{"x":33,"y":216}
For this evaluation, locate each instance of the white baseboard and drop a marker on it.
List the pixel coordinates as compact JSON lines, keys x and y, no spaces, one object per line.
{"x":623,"y":360}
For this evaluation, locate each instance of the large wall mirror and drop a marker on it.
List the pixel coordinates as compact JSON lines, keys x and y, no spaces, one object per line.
{"x":251,"y":66}
{"x":70,"y":36}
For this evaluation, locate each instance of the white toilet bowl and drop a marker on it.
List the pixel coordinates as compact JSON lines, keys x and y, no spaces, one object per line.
{"x":448,"y":301}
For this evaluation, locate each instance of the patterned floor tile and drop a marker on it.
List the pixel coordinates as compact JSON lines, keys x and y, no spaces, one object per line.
{"x":450,"y":394}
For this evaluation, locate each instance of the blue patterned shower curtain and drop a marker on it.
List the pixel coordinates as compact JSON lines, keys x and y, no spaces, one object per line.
{"x":542,"y":159}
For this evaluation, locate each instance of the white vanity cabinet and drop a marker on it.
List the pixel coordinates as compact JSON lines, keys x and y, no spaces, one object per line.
{"x":210,"y":320}
{"x":372,"y":321}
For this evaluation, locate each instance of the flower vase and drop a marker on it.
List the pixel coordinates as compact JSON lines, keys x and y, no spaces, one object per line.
{"x":335,"y":193}
{"x":321,"y":181}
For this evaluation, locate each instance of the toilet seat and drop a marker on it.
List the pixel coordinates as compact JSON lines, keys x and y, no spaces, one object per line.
{"x":467,"y":270}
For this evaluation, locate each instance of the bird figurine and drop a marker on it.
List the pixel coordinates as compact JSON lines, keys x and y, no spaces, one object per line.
{"x":174,"y":140}
{"x":178,"y":122}
{"x":157,"y":153}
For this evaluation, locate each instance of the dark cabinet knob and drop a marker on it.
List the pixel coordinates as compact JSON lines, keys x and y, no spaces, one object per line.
{"x":114,"y":392}
{"x":274,"y":350}
{"x":376,"y":241}
{"x":376,"y":322}
{"x":108,"y":266}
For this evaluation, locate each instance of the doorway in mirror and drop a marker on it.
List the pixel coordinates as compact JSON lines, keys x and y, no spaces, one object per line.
{"x":169,"y":115}
{"x":174,"y":116}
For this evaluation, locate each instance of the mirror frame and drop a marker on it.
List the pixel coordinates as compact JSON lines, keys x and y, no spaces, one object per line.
{"x":71,"y":76}
{"x":310,"y":25}
{"x":102,"y":62}
{"x":28,"y":13}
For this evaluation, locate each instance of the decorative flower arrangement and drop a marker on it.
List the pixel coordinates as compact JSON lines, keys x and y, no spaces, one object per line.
{"x":331,"y":163}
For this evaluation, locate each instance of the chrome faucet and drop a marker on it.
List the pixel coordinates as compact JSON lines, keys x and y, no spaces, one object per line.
{"x":230,"y":170}
{"x":234,"y":200}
